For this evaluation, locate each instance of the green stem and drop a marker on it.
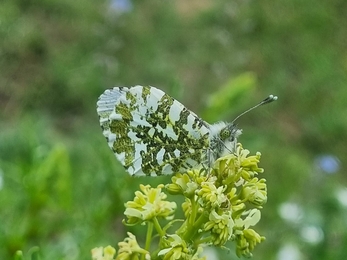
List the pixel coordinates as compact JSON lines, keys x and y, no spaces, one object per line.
{"x":192,"y":216}
{"x":182,"y":228}
{"x":200,"y":221}
{"x":149,"y":235}
{"x":192,"y":229}
{"x":157,"y":226}
{"x":193,"y":224}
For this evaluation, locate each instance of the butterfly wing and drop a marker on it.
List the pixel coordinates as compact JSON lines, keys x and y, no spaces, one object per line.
{"x":150,"y":132}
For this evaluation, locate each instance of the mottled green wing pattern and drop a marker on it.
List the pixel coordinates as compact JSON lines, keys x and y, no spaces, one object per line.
{"x":150,"y":132}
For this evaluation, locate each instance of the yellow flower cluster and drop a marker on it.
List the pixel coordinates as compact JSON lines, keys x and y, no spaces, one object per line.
{"x":221,"y":204}
{"x":147,"y":204}
{"x":221,"y":227}
{"x":225,"y":202}
{"x":177,"y":248}
{"x":130,"y":249}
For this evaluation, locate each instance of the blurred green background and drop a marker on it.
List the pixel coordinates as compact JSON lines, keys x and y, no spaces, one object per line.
{"x":61,"y":188}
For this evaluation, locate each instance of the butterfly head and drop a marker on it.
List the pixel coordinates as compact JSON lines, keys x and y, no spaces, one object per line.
{"x":223,"y":139}
{"x":229,"y":133}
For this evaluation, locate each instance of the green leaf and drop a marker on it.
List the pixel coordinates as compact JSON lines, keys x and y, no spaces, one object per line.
{"x":223,"y":102}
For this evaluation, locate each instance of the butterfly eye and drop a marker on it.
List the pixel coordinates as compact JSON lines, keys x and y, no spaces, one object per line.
{"x":225,"y":134}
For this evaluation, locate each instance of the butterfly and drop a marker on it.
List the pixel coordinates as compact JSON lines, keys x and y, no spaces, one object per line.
{"x":153,"y":134}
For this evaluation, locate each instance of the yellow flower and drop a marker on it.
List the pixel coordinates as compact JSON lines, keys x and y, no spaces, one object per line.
{"x":97,"y":253}
{"x":220,"y":226}
{"x":148,"y":204}
{"x":237,"y":208}
{"x":186,"y":183}
{"x":225,"y":169}
{"x":100,"y":253}
{"x":230,"y":168}
{"x":187,"y":207}
{"x":246,"y":238}
{"x":210,"y":195}
{"x":177,"y":249}
{"x":252,"y":218}
{"x":246,"y":241}
{"x":252,"y":237}
{"x":254,"y":191}
{"x":248,"y":165}
{"x":130,"y":249}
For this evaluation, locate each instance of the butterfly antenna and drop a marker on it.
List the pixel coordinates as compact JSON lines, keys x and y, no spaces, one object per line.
{"x":267,"y":100}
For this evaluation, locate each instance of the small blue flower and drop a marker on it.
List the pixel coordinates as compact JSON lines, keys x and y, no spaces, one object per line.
{"x":328,"y":163}
{"x":122,"y":6}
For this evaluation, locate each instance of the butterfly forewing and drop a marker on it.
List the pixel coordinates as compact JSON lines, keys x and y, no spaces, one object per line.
{"x":150,"y":132}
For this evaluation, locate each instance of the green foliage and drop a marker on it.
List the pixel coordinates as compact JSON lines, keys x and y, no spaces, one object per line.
{"x":61,"y":188}
{"x":33,"y":254}
{"x":232,"y":92}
